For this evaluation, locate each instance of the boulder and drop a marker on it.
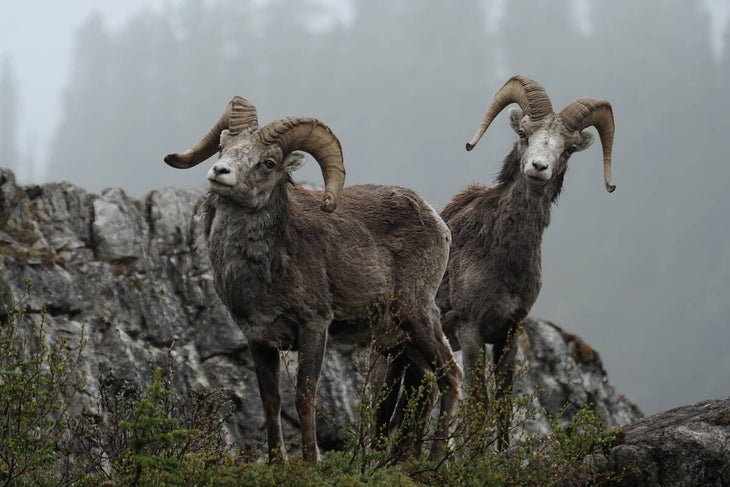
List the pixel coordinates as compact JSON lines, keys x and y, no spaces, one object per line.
{"x":686,"y":446}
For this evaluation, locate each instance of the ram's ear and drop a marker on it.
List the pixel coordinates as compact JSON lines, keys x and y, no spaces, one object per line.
{"x":294,"y":161}
{"x":586,"y":139}
{"x":515,"y":117}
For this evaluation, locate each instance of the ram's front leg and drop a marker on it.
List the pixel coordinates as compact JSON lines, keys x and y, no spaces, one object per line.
{"x":472,"y":347}
{"x":503,"y":356}
{"x":312,"y":342}
{"x":266,"y":362}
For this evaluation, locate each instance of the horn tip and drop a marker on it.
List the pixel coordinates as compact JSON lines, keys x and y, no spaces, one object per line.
{"x":170,"y":159}
{"x":178,"y":161}
{"x":328,"y":203}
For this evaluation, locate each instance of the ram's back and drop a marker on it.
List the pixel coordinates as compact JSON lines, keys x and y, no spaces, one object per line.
{"x":382,"y":241}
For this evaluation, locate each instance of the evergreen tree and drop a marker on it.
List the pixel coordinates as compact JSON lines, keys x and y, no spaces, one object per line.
{"x":78,"y":151}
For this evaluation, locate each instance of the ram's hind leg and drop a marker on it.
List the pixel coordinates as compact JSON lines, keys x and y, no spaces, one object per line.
{"x":266,"y":363}
{"x":312,"y":342}
{"x":450,"y":390}
{"x":386,"y":386}
{"x":430,"y":350}
{"x":412,"y":414}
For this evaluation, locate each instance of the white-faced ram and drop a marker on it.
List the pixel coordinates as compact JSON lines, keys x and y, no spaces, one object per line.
{"x":292,"y":271}
{"x":494,"y":272}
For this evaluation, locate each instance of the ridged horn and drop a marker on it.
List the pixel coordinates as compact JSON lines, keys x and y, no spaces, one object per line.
{"x":587,"y":112}
{"x":314,"y":137}
{"x":239,"y":115}
{"x":530,"y":95}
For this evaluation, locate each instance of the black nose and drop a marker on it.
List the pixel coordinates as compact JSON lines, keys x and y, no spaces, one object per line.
{"x":221,"y":169}
{"x":539,"y":165}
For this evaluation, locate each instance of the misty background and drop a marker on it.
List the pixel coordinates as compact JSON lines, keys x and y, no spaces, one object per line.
{"x":97,"y":93}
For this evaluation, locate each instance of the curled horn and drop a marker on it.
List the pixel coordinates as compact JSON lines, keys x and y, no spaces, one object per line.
{"x":239,"y":115}
{"x":587,"y":112}
{"x":314,"y":137}
{"x":530,"y":95}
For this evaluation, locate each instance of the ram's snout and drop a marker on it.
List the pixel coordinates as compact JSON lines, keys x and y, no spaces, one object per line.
{"x":221,"y":174}
{"x":538,"y":169}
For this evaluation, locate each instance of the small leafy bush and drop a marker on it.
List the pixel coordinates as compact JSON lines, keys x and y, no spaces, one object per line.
{"x":153,"y":437}
{"x":39,"y":379}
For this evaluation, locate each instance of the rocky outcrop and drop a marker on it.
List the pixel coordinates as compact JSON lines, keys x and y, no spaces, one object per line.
{"x":686,"y":446}
{"x":561,"y":373}
{"x":127,"y":273}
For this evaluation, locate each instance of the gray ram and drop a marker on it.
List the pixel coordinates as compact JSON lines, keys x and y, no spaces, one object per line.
{"x":494,"y":272}
{"x":291,"y":270}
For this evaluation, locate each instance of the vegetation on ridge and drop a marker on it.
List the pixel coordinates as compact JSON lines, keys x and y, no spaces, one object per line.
{"x":151,"y":437}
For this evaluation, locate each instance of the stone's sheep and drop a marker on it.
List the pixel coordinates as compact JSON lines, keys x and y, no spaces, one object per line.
{"x":290,"y":274}
{"x":494,"y":273}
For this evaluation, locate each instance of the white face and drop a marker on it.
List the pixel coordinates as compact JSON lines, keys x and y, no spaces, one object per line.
{"x":248,"y":170}
{"x":542,"y":155}
{"x":546,"y":145}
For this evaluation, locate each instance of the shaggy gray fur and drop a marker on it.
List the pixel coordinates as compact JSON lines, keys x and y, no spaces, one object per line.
{"x":288,"y":272}
{"x":494,"y":272}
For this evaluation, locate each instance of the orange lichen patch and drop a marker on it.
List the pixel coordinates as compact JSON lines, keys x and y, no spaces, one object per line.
{"x":585,"y":353}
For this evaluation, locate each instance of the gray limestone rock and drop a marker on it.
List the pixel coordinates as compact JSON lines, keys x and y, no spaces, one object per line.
{"x":129,"y":274}
{"x":686,"y":446}
{"x":562,"y":373}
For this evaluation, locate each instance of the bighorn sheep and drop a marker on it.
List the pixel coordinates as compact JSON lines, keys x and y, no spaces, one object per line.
{"x":291,"y":270}
{"x":494,"y":273}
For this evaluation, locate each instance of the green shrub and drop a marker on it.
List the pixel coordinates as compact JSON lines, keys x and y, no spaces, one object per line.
{"x":156,"y":438}
{"x":570,"y":455}
{"x":153,"y":437}
{"x":38,"y":381}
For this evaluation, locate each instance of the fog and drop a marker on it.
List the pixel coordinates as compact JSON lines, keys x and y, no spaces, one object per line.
{"x":642,"y":274}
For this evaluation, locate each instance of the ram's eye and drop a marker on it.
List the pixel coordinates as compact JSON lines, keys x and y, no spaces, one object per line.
{"x":522,"y":134}
{"x":570,"y":149}
{"x":269,"y":163}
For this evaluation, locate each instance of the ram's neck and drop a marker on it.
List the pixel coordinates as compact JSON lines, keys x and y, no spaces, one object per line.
{"x":522,"y":209}
{"x":245,"y":249}
{"x":504,"y":222}
{"x":507,"y":221}
{"x":522,"y":213}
